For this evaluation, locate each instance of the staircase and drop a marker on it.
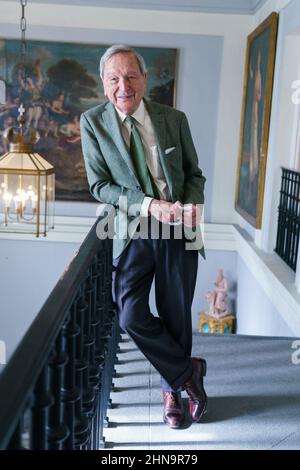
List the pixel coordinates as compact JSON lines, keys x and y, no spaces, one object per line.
{"x":253,"y":389}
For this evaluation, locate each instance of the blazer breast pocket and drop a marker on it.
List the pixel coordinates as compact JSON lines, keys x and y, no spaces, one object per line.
{"x":169,"y":150}
{"x":173,"y":156}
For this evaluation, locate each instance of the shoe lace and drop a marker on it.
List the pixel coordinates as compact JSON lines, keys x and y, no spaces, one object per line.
{"x":172,"y":397}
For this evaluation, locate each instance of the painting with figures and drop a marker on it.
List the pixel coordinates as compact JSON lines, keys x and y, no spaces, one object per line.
{"x":255,"y":121}
{"x":61,"y":81}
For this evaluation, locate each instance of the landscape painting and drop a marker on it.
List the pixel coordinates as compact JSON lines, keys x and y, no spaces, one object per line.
{"x":58,"y":83}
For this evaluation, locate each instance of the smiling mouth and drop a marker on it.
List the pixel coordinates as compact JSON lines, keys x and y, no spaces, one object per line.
{"x":125,"y":97}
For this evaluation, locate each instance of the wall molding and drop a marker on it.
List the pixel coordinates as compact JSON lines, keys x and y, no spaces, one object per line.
{"x":81,"y":16}
{"x":66,"y":230}
{"x":74,"y":229}
{"x":219,"y":237}
{"x":244,"y":7}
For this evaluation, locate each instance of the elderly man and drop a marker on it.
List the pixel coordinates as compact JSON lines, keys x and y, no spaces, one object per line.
{"x":140,"y":158}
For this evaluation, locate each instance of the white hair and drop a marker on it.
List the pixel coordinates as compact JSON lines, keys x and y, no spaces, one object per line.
{"x":117,"y":49}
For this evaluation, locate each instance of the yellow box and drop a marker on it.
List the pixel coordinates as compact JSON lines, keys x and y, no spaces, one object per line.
{"x":208,"y":324}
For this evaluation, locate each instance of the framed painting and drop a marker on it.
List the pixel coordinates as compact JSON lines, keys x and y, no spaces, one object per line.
{"x":61,"y":82}
{"x":256,"y":109}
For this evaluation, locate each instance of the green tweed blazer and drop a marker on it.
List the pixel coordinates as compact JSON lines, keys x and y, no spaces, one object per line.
{"x":111,"y":173}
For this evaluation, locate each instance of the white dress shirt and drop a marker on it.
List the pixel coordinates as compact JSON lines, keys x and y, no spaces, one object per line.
{"x":148,"y":138}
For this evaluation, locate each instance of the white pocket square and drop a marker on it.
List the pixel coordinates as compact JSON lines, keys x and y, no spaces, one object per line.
{"x":169,"y":150}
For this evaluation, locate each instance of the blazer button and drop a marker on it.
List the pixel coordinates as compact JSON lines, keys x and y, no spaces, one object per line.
{"x":139,"y":188}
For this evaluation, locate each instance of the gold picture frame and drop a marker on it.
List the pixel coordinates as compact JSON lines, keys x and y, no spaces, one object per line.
{"x":255,"y":120}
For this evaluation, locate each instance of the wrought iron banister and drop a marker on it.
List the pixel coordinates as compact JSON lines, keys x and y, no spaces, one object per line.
{"x":288,"y":229}
{"x":54,"y":391}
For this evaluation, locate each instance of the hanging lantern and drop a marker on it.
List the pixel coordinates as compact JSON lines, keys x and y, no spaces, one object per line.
{"x":27,"y":181}
{"x":27,"y":184}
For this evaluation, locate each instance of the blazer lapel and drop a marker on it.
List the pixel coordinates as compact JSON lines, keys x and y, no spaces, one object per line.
{"x":159,"y":125}
{"x":112,"y":123}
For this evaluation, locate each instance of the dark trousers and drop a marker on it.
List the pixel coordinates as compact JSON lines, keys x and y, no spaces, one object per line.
{"x":166,"y":340}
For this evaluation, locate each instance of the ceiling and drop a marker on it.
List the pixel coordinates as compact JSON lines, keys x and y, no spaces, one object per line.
{"x":208,"y":6}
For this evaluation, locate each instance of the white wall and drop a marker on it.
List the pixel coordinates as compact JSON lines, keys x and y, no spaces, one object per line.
{"x":284,"y":117}
{"x":210,"y":48}
{"x":216,"y":127}
{"x":268,"y":8}
{"x":211,"y":73}
{"x":265,"y":237}
{"x":256,"y":313}
{"x":28,"y":272}
{"x":264,"y":318}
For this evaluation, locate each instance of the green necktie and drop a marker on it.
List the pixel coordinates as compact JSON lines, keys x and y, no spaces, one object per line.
{"x":139,"y":160}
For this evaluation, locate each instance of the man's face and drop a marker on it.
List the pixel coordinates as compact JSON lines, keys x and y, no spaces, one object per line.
{"x":124,"y":84}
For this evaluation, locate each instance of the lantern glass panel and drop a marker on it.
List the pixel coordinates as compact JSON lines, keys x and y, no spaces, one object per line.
{"x":27,"y":193}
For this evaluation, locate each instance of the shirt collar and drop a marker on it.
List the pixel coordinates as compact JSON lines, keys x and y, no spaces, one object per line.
{"x":138,"y":115}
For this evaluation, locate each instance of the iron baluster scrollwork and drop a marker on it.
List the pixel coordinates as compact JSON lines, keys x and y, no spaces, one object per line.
{"x":43,"y":399}
{"x":71,"y":393}
{"x":58,"y":429}
{"x":288,"y":228}
{"x":65,"y":362}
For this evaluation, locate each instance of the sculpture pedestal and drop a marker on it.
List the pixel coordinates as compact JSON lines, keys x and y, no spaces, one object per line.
{"x":208,"y":324}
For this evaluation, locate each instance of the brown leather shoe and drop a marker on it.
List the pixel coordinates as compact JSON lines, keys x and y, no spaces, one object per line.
{"x":195,"y":390}
{"x":173,"y":409}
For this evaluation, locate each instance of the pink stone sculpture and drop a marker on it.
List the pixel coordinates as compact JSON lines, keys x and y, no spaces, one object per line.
{"x":217,"y":298}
